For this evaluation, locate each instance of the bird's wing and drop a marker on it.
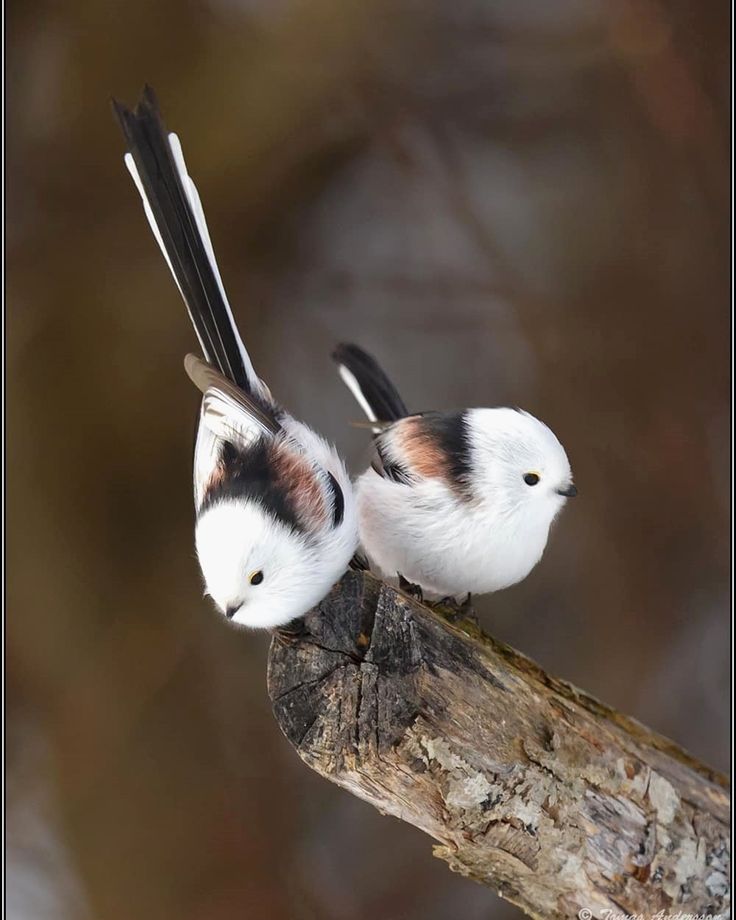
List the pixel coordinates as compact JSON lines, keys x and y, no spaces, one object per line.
{"x":386,"y":464}
{"x":426,"y":446}
{"x":227,"y":411}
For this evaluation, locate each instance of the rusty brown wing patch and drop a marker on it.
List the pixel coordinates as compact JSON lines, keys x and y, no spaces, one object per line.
{"x":435,"y":445}
{"x":297,"y":478}
{"x":421,"y":453}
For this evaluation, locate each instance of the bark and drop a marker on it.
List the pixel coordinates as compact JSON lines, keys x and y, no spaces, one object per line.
{"x":528,"y":785}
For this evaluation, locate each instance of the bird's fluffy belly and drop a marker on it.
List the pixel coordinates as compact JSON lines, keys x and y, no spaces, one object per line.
{"x":445,"y":546}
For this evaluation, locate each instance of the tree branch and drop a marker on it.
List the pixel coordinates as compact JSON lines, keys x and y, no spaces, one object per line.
{"x":529,"y":785}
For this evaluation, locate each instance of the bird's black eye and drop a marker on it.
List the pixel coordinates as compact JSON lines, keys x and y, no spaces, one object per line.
{"x":256,"y":577}
{"x":531,"y":479}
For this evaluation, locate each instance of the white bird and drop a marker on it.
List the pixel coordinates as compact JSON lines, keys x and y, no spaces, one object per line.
{"x":276,"y":519}
{"x":455,"y":502}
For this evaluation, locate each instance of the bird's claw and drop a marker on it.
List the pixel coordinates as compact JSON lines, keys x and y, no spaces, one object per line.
{"x":454,"y":611}
{"x":410,"y":588}
{"x":292,"y":634}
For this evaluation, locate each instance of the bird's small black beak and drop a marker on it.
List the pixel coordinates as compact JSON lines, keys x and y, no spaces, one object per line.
{"x":569,"y":491}
{"x":231,"y":611}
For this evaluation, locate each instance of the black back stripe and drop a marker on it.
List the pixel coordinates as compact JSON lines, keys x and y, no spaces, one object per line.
{"x":338,"y":503}
{"x":250,"y":475}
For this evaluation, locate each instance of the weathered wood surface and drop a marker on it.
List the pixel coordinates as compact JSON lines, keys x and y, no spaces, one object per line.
{"x":530,"y":786}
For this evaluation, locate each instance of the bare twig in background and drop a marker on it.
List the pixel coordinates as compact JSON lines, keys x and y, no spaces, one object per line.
{"x":529,"y":785}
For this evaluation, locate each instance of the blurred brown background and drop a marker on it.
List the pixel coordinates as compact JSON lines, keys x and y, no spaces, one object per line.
{"x":509,"y":203}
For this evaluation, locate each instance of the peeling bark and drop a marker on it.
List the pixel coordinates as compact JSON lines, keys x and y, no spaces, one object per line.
{"x":528,"y":785}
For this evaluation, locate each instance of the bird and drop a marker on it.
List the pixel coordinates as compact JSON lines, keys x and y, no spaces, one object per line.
{"x":276,"y":521}
{"x":454,"y":502}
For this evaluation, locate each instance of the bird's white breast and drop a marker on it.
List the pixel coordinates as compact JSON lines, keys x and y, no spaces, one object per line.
{"x":447,"y":545}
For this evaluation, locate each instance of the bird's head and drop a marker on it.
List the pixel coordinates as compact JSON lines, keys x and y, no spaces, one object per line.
{"x":260,"y":571}
{"x":519,"y":461}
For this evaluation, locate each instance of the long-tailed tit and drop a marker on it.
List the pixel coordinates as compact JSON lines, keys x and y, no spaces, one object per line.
{"x":458,"y":501}
{"x":276,"y":519}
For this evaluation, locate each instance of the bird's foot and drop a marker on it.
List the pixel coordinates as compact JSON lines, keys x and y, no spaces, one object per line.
{"x":454,"y":611}
{"x":359,"y":563}
{"x":409,"y":588}
{"x":292,"y":633}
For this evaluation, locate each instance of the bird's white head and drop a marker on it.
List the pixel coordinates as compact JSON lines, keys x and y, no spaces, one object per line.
{"x":519,"y":462}
{"x":259,"y":571}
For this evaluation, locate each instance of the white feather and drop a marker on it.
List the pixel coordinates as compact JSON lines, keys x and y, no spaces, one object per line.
{"x":352,"y":384}
{"x":133,"y":170}
{"x":206,"y":456}
{"x":228,"y":421}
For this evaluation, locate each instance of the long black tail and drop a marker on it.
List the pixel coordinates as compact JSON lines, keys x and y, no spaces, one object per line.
{"x":173,"y":208}
{"x":368,"y":383}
